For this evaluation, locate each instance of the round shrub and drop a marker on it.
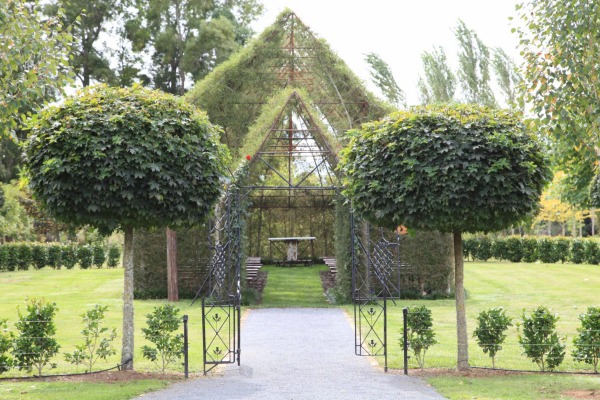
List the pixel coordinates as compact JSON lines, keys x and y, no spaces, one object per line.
{"x":529,"y":246}
{"x":25,"y":257}
{"x":578,"y":251}
{"x":547,"y":250}
{"x":514,"y":249}
{"x":468,"y":246}
{"x":114,"y":255}
{"x":499,"y":249}
{"x":591,"y":251}
{"x":99,"y":256}
{"x":85,"y":256}
{"x":12,"y":256}
{"x":54,"y":256}
{"x":563,"y":248}
{"x":3,"y":258}
{"x":69,"y":256}
{"x":39,"y":256}
{"x":483,"y":248}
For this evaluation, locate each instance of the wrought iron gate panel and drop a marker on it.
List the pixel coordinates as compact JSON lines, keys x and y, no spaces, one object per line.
{"x":375,"y":280}
{"x":222,"y":320}
{"x":221,"y":291}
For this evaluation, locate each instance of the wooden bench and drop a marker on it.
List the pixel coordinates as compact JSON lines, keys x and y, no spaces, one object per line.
{"x":331,"y":263}
{"x":253,"y":265}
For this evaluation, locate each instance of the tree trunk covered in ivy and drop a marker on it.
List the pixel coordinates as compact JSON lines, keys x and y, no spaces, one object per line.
{"x":172,"y":283}
{"x":128,"y":332}
{"x":461,"y":319}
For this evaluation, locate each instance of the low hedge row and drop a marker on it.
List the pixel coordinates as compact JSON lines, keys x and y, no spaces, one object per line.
{"x":532,"y":248}
{"x":22,"y":256}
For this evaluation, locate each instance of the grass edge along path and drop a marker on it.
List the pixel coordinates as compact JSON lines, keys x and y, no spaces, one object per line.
{"x":38,"y":389}
{"x":527,"y":386}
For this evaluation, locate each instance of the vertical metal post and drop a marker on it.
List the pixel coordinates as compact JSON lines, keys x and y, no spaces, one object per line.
{"x":185,"y":347}
{"x":204,"y":350}
{"x":353,"y":255}
{"x":405,"y":335}
{"x":238,"y":300}
{"x":385,"y":341}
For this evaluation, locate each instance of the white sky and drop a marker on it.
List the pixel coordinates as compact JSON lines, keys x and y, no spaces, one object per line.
{"x":398,"y":30}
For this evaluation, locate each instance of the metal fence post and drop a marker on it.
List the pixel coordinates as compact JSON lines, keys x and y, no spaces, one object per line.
{"x":405,"y":335}
{"x":385,"y":354}
{"x":185,"y":346}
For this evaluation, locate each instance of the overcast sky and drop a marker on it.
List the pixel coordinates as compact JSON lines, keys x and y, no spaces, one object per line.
{"x":398,"y":30}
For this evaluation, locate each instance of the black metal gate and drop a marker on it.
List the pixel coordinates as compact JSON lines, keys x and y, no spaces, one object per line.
{"x":221,"y":291}
{"x":375,"y":280}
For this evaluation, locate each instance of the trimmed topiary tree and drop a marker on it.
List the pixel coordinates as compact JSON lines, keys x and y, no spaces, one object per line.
{"x":125,"y":158}
{"x":452,"y":168}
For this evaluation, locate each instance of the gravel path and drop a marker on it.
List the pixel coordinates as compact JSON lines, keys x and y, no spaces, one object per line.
{"x":299,"y":353}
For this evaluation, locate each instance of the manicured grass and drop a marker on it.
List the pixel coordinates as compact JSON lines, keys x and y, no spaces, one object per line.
{"x":514,"y":387}
{"x":294,"y":287}
{"x":34,"y":390}
{"x":567,"y":289}
{"x":75,"y":291}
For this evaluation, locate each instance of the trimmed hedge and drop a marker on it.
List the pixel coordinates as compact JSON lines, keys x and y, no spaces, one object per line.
{"x":22,"y":256}
{"x":531,"y":249}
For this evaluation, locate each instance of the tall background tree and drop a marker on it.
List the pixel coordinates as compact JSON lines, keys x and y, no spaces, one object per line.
{"x":438,"y":83}
{"x":561,"y":47}
{"x":383,"y":78}
{"x":144,"y":159}
{"x":187,"y":38}
{"x":88,"y":19}
{"x":508,"y":77}
{"x":34,"y":54}
{"x":452,"y":168}
{"x":474,"y":67}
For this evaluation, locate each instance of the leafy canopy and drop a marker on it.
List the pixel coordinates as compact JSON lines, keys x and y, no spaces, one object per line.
{"x":33,"y":60}
{"x":128,"y":157}
{"x":560,"y":45}
{"x":454,"y":168}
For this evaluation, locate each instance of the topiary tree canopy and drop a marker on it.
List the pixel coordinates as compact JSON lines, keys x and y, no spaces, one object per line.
{"x":452,"y":168}
{"x":125,"y":158}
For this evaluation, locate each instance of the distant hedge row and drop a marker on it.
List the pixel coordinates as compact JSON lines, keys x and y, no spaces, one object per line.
{"x":532,"y":249}
{"x":22,"y":256}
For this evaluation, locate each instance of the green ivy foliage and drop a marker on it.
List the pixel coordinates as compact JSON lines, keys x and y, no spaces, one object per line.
{"x":125,"y":157}
{"x":454,"y":168}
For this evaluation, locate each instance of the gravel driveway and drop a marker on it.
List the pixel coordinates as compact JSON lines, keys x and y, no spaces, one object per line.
{"x":299,"y":353}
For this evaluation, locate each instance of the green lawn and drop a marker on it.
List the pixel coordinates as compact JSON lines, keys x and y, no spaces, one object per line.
{"x":297,"y":286}
{"x":567,"y":289}
{"x":34,"y":390}
{"x":74,"y":291}
{"x":514,"y":387}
